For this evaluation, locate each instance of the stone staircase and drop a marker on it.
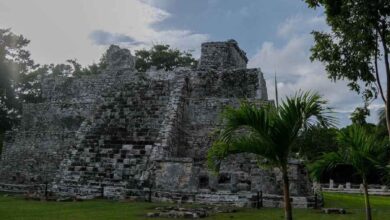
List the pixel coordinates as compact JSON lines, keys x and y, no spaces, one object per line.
{"x":115,"y":144}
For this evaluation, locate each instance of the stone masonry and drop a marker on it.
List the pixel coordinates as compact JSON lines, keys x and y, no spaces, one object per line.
{"x":124,"y":134}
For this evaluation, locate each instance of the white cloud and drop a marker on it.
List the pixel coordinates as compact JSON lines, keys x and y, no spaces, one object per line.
{"x":295,"y":71}
{"x":59,"y":30}
{"x":300,"y":25}
{"x":182,"y":39}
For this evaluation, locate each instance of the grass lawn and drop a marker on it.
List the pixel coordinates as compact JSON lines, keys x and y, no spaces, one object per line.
{"x":12,"y":207}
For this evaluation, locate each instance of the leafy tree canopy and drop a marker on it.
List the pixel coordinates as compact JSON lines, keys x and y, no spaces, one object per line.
{"x":20,"y":76}
{"x":316,"y":141}
{"x":163,"y":57}
{"x":360,"y":149}
{"x":357,"y":44}
{"x":15,"y":63}
{"x":359,"y":115}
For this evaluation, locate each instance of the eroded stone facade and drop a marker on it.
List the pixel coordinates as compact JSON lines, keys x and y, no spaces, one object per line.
{"x":122,"y":134}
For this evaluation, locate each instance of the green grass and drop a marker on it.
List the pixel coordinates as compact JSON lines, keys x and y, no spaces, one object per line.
{"x":13,"y":207}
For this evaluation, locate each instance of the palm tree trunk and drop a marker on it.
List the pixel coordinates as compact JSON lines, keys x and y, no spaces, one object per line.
{"x":367,"y":200}
{"x":286,"y":192}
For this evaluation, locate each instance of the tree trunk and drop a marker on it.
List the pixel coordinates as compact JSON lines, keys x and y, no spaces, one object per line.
{"x":387,"y":68}
{"x":367,"y":200}
{"x":378,"y":78}
{"x":286,"y":192}
{"x":387,"y":104}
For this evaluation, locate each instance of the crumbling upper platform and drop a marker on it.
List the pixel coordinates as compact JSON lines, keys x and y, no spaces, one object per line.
{"x":222,"y":55}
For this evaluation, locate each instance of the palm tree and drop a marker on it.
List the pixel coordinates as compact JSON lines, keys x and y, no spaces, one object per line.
{"x":361,"y":150}
{"x":269,"y":132}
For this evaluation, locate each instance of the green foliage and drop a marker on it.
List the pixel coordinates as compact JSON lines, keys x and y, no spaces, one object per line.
{"x":20,"y":78}
{"x":30,"y":85}
{"x":15,"y":63}
{"x":163,"y":57}
{"x":93,"y":69}
{"x":359,"y":115}
{"x":359,"y":148}
{"x":357,"y":42}
{"x":315,"y":142}
{"x":381,"y":125}
{"x":72,"y":68}
{"x":268,"y":131}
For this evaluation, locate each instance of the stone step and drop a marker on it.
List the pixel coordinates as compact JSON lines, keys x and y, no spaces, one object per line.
{"x":122,"y":134}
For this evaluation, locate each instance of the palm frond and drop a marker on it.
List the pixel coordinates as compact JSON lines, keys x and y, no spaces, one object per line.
{"x":249,"y":116}
{"x":363,"y":150}
{"x":326,"y":162}
{"x":309,"y":108}
{"x":267,"y":131}
{"x":300,"y":113}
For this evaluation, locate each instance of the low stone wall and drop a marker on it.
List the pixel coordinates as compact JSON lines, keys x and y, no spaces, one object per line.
{"x":381,"y":190}
{"x":240,"y":199}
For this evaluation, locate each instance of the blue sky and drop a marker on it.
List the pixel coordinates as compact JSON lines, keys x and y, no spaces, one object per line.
{"x":275,"y":34}
{"x":249,"y":22}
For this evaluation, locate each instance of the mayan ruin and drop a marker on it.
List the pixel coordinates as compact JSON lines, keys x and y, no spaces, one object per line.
{"x":194,"y":109}
{"x":124,"y":134}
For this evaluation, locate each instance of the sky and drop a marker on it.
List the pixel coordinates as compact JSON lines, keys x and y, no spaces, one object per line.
{"x":275,"y":34}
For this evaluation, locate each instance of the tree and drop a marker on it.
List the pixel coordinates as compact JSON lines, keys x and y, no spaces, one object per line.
{"x":15,"y":63}
{"x":163,"y":57}
{"x":357,"y":44}
{"x":315,"y":142}
{"x":29,"y":85}
{"x":381,"y":125}
{"x":361,"y":150}
{"x":359,"y":115}
{"x":72,"y":68}
{"x":20,"y":77}
{"x":269,"y":132}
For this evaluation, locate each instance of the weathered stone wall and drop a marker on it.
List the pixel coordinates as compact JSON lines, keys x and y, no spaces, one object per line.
{"x":84,"y":89}
{"x":120,"y":68}
{"x":55,"y":116}
{"x":33,"y":152}
{"x":116,"y":148}
{"x":261,"y":92}
{"x":33,"y":157}
{"x":222,"y":55}
{"x":122,"y":134}
{"x":176,"y":174}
